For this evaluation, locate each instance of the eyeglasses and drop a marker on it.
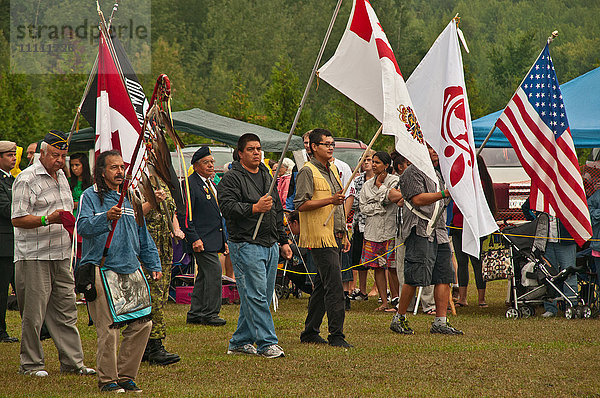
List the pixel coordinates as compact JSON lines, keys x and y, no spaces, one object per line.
{"x":327,"y":144}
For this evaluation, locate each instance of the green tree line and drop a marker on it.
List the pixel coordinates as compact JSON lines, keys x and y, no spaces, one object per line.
{"x":250,"y":59}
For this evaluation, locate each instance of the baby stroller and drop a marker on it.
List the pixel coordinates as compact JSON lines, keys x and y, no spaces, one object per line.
{"x":534,"y":280}
{"x":291,"y":278}
{"x":294,"y":275}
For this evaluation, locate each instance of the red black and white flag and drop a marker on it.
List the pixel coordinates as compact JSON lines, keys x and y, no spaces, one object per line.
{"x":116,"y":121}
{"x":134,"y":91}
{"x":134,"y":88}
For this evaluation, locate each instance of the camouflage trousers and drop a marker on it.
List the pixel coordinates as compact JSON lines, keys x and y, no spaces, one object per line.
{"x":159,"y":291}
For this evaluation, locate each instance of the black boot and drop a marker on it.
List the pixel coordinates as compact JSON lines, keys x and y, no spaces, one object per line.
{"x":156,"y":354}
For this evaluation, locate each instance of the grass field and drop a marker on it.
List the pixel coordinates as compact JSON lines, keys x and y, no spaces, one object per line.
{"x":496,"y":357}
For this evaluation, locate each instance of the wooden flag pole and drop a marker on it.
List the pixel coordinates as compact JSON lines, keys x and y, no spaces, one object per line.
{"x":487,"y":138}
{"x":451,"y":303}
{"x":85,"y":93}
{"x":302,"y":101}
{"x":356,"y":169}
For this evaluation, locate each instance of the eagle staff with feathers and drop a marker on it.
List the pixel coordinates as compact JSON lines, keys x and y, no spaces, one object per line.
{"x":149,"y":171}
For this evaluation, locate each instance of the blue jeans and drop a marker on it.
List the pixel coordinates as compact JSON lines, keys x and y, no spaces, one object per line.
{"x":255,"y":268}
{"x":561,"y":257}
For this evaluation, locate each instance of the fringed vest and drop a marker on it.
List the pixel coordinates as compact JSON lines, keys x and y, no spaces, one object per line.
{"x":313,"y":233}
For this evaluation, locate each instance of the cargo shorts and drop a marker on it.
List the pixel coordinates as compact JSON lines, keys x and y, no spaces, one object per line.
{"x":427,"y":262}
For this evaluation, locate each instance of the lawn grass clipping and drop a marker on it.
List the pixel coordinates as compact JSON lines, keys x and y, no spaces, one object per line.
{"x":496,"y":357}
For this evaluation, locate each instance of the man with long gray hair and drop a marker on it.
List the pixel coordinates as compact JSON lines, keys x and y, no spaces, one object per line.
{"x":122,"y":294}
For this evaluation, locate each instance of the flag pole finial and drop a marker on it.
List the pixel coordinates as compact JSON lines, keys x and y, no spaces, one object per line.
{"x":553,"y":36}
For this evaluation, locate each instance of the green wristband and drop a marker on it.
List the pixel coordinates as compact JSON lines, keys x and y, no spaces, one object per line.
{"x":43,"y":220}
{"x":443,"y":194}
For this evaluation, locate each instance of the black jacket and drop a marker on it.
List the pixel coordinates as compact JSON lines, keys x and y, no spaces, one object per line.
{"x":237,"y":193}
{"x":6,"y":227}
{"x":207,"y":222}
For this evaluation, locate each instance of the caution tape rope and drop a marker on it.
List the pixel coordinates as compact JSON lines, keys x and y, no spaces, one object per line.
{"x":349,"y":268}
{"x":527,"y":236}
{"x":449,"y":226}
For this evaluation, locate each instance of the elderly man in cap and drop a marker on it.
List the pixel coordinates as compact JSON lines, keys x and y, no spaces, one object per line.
{"x":206,"y":235}
{"x":43,"y":276}
{"x":8,"y":158}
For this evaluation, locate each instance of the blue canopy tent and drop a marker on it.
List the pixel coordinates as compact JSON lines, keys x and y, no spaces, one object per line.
{"x":582,"y":102}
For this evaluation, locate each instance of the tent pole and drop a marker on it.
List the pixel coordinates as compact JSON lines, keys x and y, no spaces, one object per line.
{"x":487,"y":138}
{"x":302,"y":101}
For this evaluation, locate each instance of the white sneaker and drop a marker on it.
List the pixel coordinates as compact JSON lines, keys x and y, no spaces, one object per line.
{"x":548,"y":314}
{"x":272,"y":351}
{"x":35,"y":373}
{"x":247,"y":349}
{"x":85,"y":371}
{"x":82,"y":371}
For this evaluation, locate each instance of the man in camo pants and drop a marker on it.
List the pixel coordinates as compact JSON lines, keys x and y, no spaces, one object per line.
{"x":156,"y":222}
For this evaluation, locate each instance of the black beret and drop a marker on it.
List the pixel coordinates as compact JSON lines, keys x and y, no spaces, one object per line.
{"x":200,"y":153}
{"x":57,"y":139}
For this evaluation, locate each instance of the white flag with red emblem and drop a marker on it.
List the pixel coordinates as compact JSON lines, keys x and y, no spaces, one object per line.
{"x":117,"y":125}
{"x":437,"y":87}
{"x":365,"y":70}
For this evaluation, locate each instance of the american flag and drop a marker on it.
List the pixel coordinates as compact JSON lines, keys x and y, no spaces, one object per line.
{"x":535,"y":122}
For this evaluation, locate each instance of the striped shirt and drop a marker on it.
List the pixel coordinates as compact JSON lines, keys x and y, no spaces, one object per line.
{"x":36,"y":193}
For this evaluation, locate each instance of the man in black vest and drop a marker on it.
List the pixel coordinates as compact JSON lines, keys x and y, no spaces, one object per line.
{"x":8,"y":160}
{"x":206,"y":235}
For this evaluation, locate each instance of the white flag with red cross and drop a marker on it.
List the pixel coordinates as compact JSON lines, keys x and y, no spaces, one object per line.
{"x":437,"y":87}
{"x":365,"y":70}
